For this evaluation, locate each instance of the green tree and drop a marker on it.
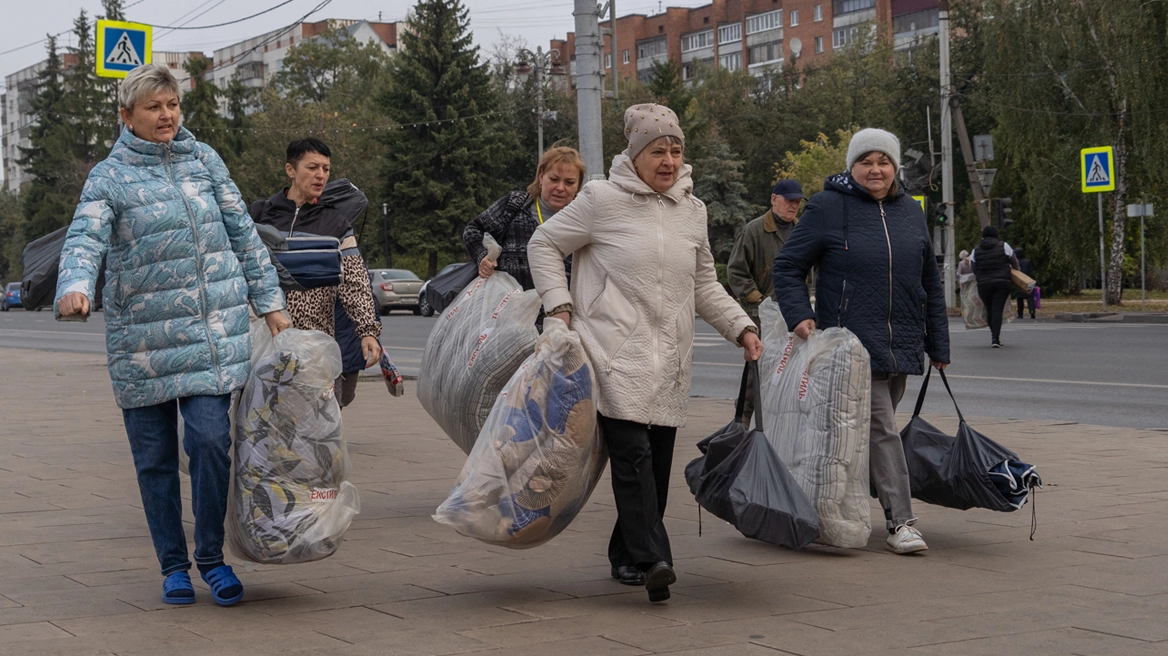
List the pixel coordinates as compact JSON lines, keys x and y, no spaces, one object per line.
{"x":84,"y":105}
{"x":55,"y":187}
{"x":200,"y":106}
{"x":816,"y":161}
{"x":11,"y":236}
{"x":441,"y":165}
{"x":718,"y":182}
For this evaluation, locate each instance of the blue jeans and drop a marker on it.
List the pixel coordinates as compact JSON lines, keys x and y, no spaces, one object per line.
{"x":153,"y":432}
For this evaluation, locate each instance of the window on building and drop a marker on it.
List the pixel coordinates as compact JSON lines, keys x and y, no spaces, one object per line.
{"x":818,"y":13}
{"x":730,"y":33}
{"x":652,"y":48}
{"x":916,"y":20}
{"x":848,"y":6}
{"x":698,"y":40}
{"x":767,"y":53}
{"x":625,"y":57}
{"x":608,"y":60}
{"x":845,"y":35}
{"x":763,"y":22}
{"x":794,"y":18}
{"x":731,"y":62}
{"x":819,"y":45}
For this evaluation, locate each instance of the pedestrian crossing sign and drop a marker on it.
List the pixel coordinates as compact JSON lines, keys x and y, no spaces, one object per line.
{"x":122,"y":47}
{"x":1097,"y":165}
{"x":921,"y":201}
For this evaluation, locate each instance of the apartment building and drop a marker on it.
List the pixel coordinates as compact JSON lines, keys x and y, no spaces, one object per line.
{"x":16,"y":122}
{"x":754,"y":35}
{"x":257,"y":59}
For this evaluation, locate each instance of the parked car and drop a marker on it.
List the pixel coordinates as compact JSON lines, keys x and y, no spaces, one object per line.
{"x":428,"y":311}
{"x":11,"y":297}
{"x":395,"y":289}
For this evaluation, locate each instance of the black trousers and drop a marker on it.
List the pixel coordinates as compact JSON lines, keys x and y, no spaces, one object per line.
{"x":1028,"y":300}
{"x":640,"y":459}
{"x":995,"y":295}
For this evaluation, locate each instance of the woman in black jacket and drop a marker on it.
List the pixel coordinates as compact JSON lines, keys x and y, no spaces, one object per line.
{"x":512,"y":220}
{"x":993,"y":260}
{"x":878,"y":278}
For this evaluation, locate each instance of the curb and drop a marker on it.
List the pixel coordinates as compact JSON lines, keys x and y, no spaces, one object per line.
{"x":1113,"y":317}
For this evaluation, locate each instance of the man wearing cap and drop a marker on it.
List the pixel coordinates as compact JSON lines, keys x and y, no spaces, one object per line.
{"x":755,"y":249}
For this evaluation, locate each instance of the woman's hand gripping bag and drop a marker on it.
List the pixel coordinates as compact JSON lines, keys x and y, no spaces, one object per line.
{"x":475,"y":346}
{"x":291,"y":501}
{"x":817,"y":395}
{"x":540,"y":454}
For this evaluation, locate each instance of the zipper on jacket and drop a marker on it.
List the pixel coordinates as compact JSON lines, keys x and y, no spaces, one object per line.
{"x":294,"y":215}
{"x":202,"y":278}
{"x":657,"y":309}
{"x":884,"y":220}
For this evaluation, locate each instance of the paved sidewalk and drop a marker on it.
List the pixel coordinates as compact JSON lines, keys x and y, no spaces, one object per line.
{"x":78,"y":575}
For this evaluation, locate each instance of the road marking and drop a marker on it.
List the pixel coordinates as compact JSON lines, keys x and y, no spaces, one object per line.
{"x":1061,"y":382}
{"x":50,"y":334}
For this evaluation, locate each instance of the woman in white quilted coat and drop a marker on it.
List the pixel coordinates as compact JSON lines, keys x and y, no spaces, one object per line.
{"x":642,"y":267}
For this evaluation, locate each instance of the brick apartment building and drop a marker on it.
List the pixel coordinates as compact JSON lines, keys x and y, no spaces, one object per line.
{"x":755,"y":35}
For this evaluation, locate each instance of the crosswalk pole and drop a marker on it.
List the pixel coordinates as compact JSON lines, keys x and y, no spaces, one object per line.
{"x":1102,"y":260}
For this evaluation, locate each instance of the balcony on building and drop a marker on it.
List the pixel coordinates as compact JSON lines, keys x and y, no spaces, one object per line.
{"x":764,"y":42}
{"x":649,"y":52}
{"x":914,"y":21}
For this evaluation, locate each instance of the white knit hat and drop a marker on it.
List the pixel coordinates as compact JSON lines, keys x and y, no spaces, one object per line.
{"x":874,"y":139}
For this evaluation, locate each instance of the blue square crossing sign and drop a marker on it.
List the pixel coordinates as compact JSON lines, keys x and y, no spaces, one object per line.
{"x":1097,"y":165}
{"x":122,"y":47}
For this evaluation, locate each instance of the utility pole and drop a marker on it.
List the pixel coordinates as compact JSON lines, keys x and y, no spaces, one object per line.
{"x":615,"y":61}
{"x":947,"y":157}
{"x":589,"y":86}
{"x":539,"y":95}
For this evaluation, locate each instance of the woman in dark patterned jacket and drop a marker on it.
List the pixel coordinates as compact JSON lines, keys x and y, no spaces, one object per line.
{"x":514,"y":217}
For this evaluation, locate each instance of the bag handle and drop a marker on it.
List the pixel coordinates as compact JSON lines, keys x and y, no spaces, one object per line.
{"x":925,"y":388}
{"x":752,"y":367}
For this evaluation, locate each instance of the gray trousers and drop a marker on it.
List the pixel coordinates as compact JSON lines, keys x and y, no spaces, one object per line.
{"x":886,"y":463}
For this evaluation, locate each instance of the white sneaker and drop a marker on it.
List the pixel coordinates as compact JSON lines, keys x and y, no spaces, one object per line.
{"x":905,"y":540}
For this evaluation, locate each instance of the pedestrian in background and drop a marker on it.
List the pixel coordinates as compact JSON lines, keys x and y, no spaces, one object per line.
{"x":878,"y":278}
{"x":298,"y":210}
{"x":514,"y":217}
{"x":753,"y":257}
{"x":183,"y":263}
{"x":1027,"y":298}
{"x":992,"y":261}
{"x":642,"y":267}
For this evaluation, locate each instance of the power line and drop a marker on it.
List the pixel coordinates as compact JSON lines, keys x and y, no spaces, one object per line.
{"x":166,"y":33}
{"x":29,"y":45}
{"x":233,"y":22}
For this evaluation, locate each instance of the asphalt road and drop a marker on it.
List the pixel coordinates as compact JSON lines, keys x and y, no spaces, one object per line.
{"x":1105,"y":374}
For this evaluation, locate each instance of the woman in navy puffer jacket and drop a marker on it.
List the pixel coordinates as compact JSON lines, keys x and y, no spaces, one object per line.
{"x":183,"y":264}
{"x":878,"y":278}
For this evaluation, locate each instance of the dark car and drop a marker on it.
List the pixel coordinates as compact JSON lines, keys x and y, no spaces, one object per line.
{"x":11,"y":297}
{"x":428,"y":311}
{"x":395,"y":289}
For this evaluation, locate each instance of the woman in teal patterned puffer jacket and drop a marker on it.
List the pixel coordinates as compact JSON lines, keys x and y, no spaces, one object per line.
{"x":183,"y":262}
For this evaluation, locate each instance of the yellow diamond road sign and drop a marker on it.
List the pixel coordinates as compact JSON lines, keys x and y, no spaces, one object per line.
{"x":1097,"y":166}
{"x":122,"y":47}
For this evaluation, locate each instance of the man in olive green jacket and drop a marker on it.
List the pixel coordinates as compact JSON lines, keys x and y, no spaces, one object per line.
{"x":753,"y":256}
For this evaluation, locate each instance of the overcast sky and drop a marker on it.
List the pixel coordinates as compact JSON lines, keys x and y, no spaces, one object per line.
{"x":534,"y":21}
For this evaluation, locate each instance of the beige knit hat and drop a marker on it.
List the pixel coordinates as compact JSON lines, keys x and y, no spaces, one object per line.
{"x":646,"y":123}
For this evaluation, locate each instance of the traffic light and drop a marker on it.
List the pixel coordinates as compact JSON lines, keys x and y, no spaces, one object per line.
{"x":1001,"y":207}
{"x":939,"y":213}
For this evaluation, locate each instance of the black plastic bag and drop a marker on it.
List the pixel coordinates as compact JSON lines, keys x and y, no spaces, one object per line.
{"x":741,"y":480}
{"x":42,"y":258}
{"x":442,"y":289}
{"x":966,"y":471}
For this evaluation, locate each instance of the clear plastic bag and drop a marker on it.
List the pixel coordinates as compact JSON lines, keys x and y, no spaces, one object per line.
{"x":291,"y":501}
{"x":540,"y":454}
{"x":476,"y":345}
{"x":818,"y":397}
{"x":973,"y":311}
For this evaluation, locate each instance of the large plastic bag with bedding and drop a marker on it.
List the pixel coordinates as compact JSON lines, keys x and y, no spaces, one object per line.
{"x":291,"y":501}
{"x":540,"y":454}
{"x":817,"y":395}
{"x":476,"y":345}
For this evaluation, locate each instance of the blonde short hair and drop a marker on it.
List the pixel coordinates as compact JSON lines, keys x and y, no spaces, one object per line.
{"x":145,"y":82}
{"x":552,"y":158}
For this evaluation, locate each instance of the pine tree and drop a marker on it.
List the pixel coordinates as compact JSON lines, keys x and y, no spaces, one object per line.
{"x":235,"y":141}
{"x":49,"y":201}
{"x":200,"y":106}
{"x":441,"y":168}
{"x":85,"y":107}
{"x":718,"y":181}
